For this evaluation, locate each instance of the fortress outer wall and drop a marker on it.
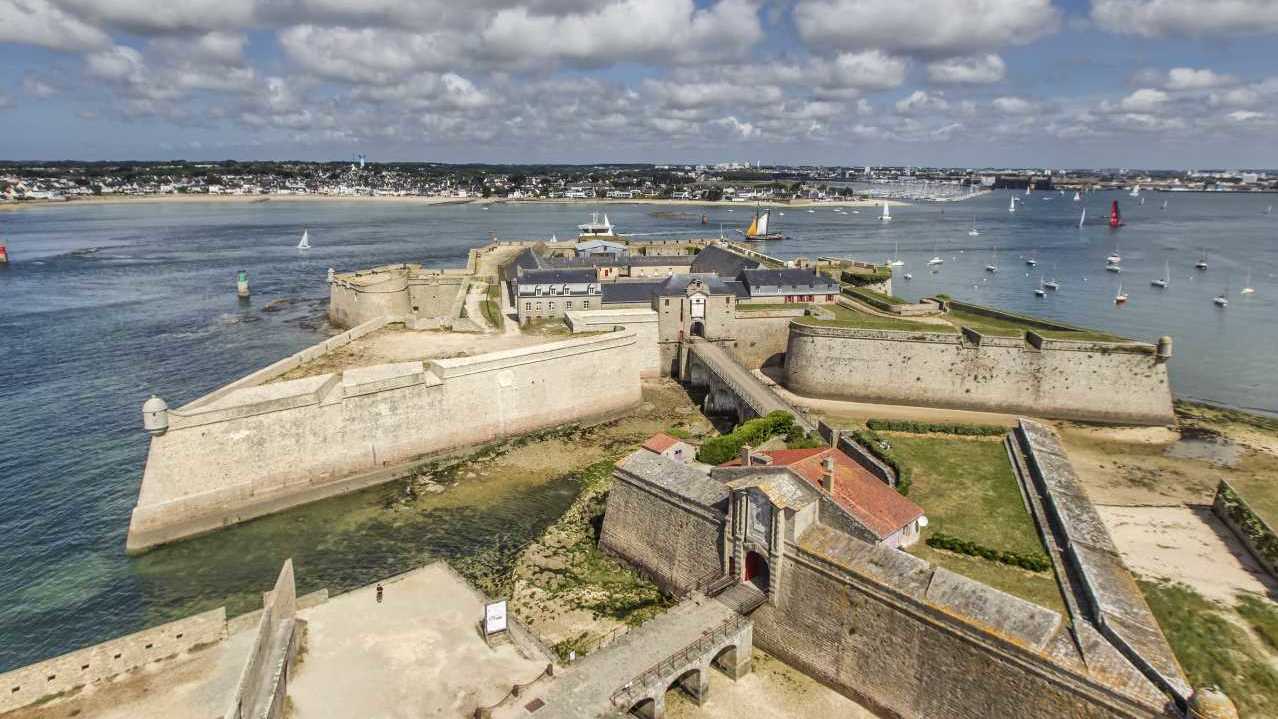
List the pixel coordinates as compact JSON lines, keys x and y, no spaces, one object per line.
{"x":266,"y":448}
{"x":1123,"y":383}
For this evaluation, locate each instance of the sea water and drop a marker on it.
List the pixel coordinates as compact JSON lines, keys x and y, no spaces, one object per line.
{"x":105,"y":304}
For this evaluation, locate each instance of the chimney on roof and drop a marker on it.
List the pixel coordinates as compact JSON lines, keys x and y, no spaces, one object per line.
{"x":745,"y":455}
{"x":827,"y":474}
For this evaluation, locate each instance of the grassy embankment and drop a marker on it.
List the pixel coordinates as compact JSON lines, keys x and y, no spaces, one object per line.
{"x":491,"y":307}
{"x":845,"y":317}
{"x":1234,"y":648}
{"x":966,"y":487}
{"x":1009,"y":326}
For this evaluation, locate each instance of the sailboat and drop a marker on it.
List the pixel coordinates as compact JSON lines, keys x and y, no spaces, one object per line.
{"x":1028,"y":189}
{"x":1031,"y":260}
{"x":936,"y":260}
{"x":1115,"y":217}
{"x":1269,"y":209}
{"x":1165,"y":280}
{"x":1114,"y":258}
{"x":1012,"y":206}
{"x":1222,"y":299}
{"x":1164,"y":204}
{"x":1247,"y":288}
{"x":1201,"y":264}
{"x":305,"y":243}
{"x":758,"y":229}
{"x":1052,"y":284}
{"x":1077,"y":197}
{"x":1040,"y":291}
{"x":1136,"y":191}
{"x":993,"y":265}
{"x":1121,"y":297}
{"x":887,"y":214}
{"x":1082,"y":218}
{"x":896,"y":256}
{"x":1142,"y":202}
{"x":975,"y":232}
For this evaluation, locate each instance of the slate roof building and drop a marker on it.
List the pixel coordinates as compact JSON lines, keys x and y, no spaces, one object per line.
{"x":540,"y":294}
{"x":789,"y":286}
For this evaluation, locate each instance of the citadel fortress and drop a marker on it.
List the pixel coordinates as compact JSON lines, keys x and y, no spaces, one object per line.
{"x":797,"y":551}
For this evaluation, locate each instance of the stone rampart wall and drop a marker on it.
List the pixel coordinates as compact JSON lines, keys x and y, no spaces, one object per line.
{"x":1091,"y":381}
{"x":675,"y":544}
{"x":293,"y":361}
{"x":1116,"y":604}
{"x":1254,"y":532}
{"x":760,"y":337}
{"x":642,"y":320}
{"x":263,"y":681}
{"x":32,"y":683}
{"x":400,"y":291}
{"x":909,"y":659}
{"x":266,"y":448}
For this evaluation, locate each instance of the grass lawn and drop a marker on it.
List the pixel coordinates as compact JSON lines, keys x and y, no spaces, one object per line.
{"x":1213,"y":648}
{"x":1009,"y":327}
{"x":844,"y":317}
{"x":967,"y":489}
{"x":491,"y":307}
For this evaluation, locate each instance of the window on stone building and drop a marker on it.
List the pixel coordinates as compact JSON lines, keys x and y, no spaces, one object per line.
{"x":568,"y":305}
{"x":585,"y":305}
{"x":552,"y":306}
{"x":527,"y":307}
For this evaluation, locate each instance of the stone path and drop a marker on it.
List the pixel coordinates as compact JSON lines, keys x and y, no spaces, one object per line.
{"x":755,"y":393}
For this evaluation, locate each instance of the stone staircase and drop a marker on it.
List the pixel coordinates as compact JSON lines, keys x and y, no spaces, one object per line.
{"x":742,"y":598}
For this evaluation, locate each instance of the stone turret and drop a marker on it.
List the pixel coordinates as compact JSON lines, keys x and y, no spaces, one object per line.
{"x":155,"y":416}
{"x":1211,"y":703}
{"x":1164,"y":352}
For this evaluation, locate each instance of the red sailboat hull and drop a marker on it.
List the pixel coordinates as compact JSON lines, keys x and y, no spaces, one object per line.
{"x":1115,"y":219}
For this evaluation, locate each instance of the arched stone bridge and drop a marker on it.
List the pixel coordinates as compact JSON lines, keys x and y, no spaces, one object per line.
{"x":727,"y":646}
{"x":731,"y":389}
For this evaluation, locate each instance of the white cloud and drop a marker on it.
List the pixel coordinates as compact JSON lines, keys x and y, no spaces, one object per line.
{"x":164,"y":16}
{"x":693,"y":95}
{"x":38,"y":22}
{"x":1188,"y":78}
{"x":870,"y":70}
{"x":1246,"y":116}
{"x":1193,"y":18}
{"x":920,"y":101}
{"x":624,"y":30}
{"x":6,"y":103}
{"x":744,"y":130}
{"x":932,"y":27}
{"x":1144,"y":100}
{"x":976,"y":69}
{"x":1014,"y":105}
{"x":35,"y":87}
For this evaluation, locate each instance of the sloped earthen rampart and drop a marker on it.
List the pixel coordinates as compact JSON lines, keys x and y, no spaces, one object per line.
{"x":1118,"y":382}
{"x":264,"y":448}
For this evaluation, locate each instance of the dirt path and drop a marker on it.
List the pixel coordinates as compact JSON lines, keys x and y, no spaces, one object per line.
{"x":475,"y":294}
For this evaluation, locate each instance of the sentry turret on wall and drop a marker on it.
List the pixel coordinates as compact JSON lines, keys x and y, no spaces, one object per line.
{"x":155,"y":416}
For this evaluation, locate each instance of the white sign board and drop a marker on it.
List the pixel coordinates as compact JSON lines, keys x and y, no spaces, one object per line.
{"x":495,"y":617}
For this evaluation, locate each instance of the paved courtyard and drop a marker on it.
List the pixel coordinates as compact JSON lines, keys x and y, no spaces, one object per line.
{"x":417,"y":654}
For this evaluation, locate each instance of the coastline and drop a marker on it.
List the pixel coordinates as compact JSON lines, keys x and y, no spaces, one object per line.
{"x":15,"y":205}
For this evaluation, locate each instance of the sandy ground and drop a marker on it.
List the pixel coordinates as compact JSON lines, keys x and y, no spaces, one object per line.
{"x":771,"y":691}
{"x":393,"y":344}
{"x":417,"y":653}
{"x":1189,"y":545}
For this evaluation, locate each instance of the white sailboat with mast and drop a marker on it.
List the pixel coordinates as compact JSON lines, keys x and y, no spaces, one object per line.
{"x":973,"y":232}
{"x":896,"y":260}
{"x":993,"y":265}
{"x":1165,"y":280}
{"x":305,"y":242}
{"x":1247,"y":288}
{"x":1082,"y":218}
{"x":887,"y":214}
{"x":1011,"y":207}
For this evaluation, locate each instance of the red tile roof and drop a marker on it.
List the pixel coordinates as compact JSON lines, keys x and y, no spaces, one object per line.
{"x":660,"y":442}
{"x":876,"y":505}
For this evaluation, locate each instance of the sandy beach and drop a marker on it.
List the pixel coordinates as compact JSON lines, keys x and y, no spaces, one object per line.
{"x":10,"y":205}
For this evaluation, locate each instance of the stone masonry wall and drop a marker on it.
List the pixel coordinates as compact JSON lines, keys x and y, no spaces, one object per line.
{"x":643,"y":321}
{"x":675,"y":545}
{"x":32,"y":683}
{"x":1120,"y":383}
{"x":265,"y":448}
{"x":848,"y":634}
{"x":760,"y":339}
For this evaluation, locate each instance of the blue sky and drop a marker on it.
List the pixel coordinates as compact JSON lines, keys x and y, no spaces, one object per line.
{"x":1065,"y":83}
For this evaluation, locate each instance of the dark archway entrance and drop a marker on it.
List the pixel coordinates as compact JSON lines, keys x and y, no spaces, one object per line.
{"x":756,"y":570}
{"x":699,"y":329}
